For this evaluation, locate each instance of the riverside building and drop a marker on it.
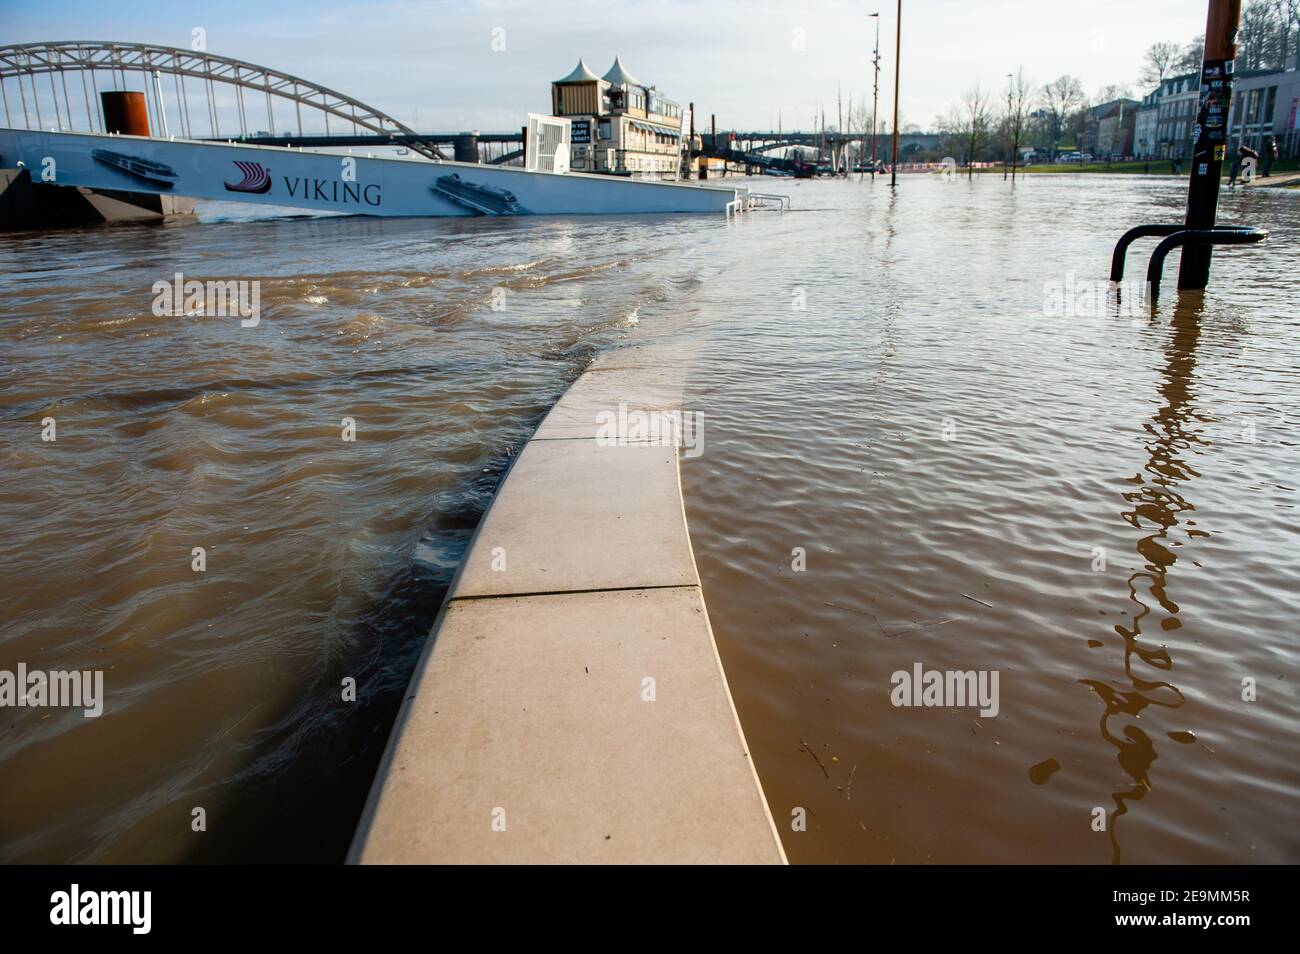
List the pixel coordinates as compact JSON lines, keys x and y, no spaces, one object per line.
{"x":619,"y":124}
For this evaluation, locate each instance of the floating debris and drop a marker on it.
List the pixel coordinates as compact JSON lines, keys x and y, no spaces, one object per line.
{"x":1040,"y":773}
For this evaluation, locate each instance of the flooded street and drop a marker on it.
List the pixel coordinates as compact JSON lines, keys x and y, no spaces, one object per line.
{"x":906,"y":461}
{"x":1100,"y":509}
{"x":325,"y":559}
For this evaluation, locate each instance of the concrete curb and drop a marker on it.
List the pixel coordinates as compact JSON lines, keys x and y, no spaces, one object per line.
{"x":571,"y":705}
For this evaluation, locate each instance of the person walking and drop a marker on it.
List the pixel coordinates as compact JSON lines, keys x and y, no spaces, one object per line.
{"x":1270,"y":154}
{"x":1243,"y":152}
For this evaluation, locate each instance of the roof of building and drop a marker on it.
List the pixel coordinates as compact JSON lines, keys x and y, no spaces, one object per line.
{"x":581,"y":74}
{"x":1114,"y":106}
{"x":617,"y":74}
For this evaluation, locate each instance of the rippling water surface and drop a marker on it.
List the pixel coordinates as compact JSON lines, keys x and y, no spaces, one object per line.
{"x":1100,"y":508}
{"x":325,"y":559}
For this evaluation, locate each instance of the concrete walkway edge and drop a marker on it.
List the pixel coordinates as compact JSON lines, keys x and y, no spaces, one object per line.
{"x":571,"y":704}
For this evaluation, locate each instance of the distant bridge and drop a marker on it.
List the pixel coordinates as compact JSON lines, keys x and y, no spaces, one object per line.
{"x":36,"y":93}
{"x":760,"y":142}
{"x":146,"y":64}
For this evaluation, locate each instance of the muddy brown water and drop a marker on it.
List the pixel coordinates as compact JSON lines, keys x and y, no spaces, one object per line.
{"x":1099,"y":507}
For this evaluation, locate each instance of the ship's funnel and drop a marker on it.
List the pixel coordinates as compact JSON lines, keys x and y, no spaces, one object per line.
{"x":125,"y":112}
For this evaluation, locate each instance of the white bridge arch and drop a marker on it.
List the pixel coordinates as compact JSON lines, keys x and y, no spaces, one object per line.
{"x":22,"y":64}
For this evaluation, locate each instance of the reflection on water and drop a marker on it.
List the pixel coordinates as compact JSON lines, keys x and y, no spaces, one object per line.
{"x":949,"y":456}
{"x":1157,"y":506}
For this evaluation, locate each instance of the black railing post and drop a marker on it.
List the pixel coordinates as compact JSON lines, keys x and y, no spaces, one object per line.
{"x":1190,"y":238}
{"x":1127,"y":239}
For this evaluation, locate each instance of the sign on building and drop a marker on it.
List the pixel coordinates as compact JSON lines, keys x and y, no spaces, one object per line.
{"x":547,"y":146}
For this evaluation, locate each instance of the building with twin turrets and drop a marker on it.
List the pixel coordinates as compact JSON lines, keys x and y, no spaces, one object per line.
{"x":619,"y":124}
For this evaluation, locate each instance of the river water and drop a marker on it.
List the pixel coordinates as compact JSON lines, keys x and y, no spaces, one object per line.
{"x":982,"y":472}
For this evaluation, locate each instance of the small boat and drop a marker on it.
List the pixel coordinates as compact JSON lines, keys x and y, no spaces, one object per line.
{"x":154,"y":173}
{"x":483,"y":199}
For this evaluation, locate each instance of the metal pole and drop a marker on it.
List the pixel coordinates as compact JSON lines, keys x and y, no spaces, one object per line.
{"x":27,"y":122}
{"x":85,"y":94}
{"x":1211,"y":146}
{"x":99,"y":100}
{"x":67,"y":100}
{"x":212,"y":106}
{"x":182,"y":111}
{"x":36,"y":97}
{"x":690,"y":145}
{"x":162,"y":108}
{"x":154,"y":124}
{"x":54,"y":95}
{"x":875,"y":96}
{"x":898,"y":51}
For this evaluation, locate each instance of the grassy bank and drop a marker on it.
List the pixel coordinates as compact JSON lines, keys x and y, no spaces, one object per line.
{"x":1156,"y":167}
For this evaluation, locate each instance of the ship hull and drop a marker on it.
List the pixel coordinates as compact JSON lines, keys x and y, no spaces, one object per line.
{"x":283,"y":177}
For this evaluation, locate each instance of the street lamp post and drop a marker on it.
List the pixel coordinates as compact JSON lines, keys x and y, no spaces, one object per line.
{"x":898,"y":49}
{"x":875,"y":96}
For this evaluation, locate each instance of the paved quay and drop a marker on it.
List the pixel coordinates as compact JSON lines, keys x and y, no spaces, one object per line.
{"x":571,"y":706}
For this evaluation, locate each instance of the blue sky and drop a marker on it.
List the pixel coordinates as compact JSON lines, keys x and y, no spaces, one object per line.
{"x":431,"y":64}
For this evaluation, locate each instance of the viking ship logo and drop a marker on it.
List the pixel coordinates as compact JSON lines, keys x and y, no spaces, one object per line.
{"x":257,"y":178}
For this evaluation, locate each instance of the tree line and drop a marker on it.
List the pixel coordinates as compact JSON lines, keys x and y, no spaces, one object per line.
{"x":982,"y":127}
{"x":1269,"y":37}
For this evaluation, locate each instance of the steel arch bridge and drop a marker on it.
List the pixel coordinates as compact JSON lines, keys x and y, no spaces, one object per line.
{"x":25,"y":62}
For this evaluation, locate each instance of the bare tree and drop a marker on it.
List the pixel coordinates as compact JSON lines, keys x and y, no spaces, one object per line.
{"x":1108,"y":94}
{"x":1289,"y":15}
{"x":1020,"y":91}
{"x":1192,"y":56}
{"x":951,"y":128}
{"x":1158,"y":63}
{"x":1257,"y":40}
{"x":1062,"y":97}
{"x":860,"y":126}
{"x":977,"y":123}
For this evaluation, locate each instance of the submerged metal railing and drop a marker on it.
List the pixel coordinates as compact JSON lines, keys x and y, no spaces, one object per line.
{"x":752,"y":201}
{"x":749,"y":202}
{"x":763,"y":200}
{"x":1176,"y":236}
